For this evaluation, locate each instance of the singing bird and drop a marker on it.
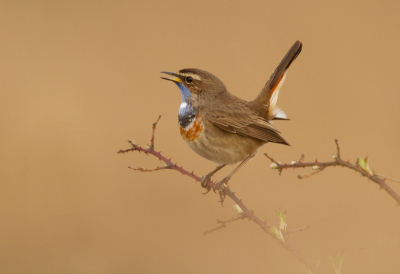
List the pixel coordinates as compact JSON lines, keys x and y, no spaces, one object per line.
{"x":222,"y":127}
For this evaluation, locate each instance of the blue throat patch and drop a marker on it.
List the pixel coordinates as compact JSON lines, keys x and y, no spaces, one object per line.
{"x":186,"y":111}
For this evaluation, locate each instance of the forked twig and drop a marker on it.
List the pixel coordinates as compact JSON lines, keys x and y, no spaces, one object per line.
{"x":387,"y":178}
{"x":247,"y":213}
{"x":298,"y":229}
{"x":153,"y":133}
{"x":361,"y":166}
{"x":223,"y":223}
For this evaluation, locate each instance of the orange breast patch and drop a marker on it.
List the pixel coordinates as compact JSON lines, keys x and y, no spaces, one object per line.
{"x":192,"y":131}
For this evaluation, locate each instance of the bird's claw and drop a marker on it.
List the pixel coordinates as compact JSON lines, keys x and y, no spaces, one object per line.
{"x":217,"y":187}
{"x":208,"y":190}
{"x":204,"y":182}
{"x":220,"y":187}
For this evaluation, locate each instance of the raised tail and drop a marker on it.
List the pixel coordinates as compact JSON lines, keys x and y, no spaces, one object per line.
{"x":265,"y":103}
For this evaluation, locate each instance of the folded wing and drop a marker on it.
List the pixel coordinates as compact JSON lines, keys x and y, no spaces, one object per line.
{"x":239,"y":119}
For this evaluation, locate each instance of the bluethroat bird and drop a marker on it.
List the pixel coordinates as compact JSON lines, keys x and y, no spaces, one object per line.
{"x":222,"y":127}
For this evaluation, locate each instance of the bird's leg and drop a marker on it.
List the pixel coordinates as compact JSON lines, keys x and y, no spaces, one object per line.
{"x":227,"y":178}
{"x":220,"y":184}
{"x":207,"y":178}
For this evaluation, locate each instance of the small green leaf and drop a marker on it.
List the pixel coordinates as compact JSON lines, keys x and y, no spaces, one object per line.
{"x":238,"y":209}
{"x":337,"y":261}
{"x":282,"y":220}
{"x":306,"y":269}
{"x":363,"y":163}
{"x":276,"y":233}
{"x":273,"y":166}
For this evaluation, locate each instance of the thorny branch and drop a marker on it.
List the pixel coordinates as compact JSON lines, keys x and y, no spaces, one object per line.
{"x":223,"y":223}
{"x":280,"y":235}
{"x":361,"y":166}
{"x":298,"y":229}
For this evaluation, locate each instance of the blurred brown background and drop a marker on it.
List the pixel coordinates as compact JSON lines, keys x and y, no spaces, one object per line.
{"x":80,"y":78}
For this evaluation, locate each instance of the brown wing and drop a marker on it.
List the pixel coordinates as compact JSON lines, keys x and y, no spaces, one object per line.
{"x":237,"y":118}
{"x":263,"y":130}
{"x":266,"y":101}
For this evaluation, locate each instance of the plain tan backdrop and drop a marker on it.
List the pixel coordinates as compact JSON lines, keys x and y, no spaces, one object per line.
{"x":80,"y":78}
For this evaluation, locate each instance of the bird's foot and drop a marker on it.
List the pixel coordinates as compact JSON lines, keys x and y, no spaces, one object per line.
{"x":205,"y":180}
{"x":220,"y":186}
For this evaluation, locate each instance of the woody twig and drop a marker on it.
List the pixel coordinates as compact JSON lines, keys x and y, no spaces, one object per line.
{"x":222,"y":224}
{"x":279,"y":234}
{"x":361,"y":166}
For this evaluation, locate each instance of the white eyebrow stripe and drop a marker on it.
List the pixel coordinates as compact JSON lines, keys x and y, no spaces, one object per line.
{"x":194,"y":76}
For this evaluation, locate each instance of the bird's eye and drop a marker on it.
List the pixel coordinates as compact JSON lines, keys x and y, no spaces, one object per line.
{"x":189,"y":79}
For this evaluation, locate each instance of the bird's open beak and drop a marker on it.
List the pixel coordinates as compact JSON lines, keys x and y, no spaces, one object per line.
{"x":174,"y":79}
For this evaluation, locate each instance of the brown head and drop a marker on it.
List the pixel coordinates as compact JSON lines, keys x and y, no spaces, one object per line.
{"x":198,"y":87}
